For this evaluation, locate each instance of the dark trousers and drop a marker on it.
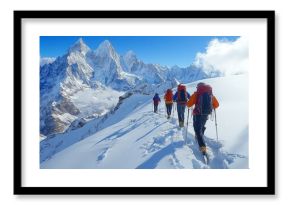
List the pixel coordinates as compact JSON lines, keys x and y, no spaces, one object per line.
{"x":168,"y":108}
{"x":155,"y":107}
{"x":180,"y":111}
{"x":199,"y":128}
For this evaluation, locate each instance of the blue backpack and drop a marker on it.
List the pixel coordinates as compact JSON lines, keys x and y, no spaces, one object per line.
{"x":204,"y":100}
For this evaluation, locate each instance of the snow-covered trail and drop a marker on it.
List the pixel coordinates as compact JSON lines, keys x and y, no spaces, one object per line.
{"x":145,"y":140}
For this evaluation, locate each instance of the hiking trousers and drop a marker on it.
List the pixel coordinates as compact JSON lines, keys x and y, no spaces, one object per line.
{"x":168,"y":108}
{"x":199,"y":128}
{"x":155,"y":107}
{"x":180,"y":111}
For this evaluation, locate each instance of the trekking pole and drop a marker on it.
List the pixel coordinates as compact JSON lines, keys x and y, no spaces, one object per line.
{"x":216,"y":130}
{"x":165,"y":110}
{"x":173,"y":111}
{"x":186,"y":126}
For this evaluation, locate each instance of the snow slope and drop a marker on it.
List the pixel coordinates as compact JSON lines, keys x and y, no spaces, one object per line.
{"x":135,"y":137}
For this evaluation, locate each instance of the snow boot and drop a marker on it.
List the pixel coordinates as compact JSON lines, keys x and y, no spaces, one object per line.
{"x":203,"y":150}
{"x":181,"y":124}
{"x":205,"y":155}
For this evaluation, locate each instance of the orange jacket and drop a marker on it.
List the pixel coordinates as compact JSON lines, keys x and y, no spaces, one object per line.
{"x":193,"y":98}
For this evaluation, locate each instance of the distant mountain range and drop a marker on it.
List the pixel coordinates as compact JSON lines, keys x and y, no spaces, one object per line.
{"x":85,"y":84}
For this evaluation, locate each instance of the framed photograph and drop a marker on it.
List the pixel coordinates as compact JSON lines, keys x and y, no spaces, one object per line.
{"x":144,"y":102}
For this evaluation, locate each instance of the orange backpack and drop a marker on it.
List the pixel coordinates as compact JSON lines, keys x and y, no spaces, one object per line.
{"x":169,"y":96}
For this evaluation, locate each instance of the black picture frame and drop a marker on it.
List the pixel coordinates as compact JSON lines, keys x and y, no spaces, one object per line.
{"x":19,"y":189}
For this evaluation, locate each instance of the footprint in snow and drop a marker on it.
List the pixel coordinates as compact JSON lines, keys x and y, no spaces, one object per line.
{"x":102,"y":155}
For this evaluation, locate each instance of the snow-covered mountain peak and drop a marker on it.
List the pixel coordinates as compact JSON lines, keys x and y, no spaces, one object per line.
{"x":130,"y":58}
{"x":80,"y":41}
{"x":106,"y":49}
{"x":79,"y":46}
{"x":130,"y":54}
{"x":106,"y":43}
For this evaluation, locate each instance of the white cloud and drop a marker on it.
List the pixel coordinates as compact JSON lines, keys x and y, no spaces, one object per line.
{"x":228,"y":57}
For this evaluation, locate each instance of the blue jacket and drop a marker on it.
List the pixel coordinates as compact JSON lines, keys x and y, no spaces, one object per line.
{"x":156,"y":99}
{"x":175,"y":98}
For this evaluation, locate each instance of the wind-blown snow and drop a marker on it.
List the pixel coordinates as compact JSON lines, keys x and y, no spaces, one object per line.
{"x":135,"y":137}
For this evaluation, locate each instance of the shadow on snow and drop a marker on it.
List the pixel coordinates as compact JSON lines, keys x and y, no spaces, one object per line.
{"x":152,"y":162}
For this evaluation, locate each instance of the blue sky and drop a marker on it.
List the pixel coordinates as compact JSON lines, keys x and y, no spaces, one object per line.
{"x":164,"y":50}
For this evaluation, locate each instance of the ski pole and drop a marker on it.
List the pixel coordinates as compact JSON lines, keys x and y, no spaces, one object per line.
{"x":216,"y":130}
{"x":186,"y":126}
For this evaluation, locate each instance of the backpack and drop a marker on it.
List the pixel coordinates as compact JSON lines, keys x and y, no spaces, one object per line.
{"x":168,"y":95}
{"x":204,"y":100}
{"x":181,"y":94}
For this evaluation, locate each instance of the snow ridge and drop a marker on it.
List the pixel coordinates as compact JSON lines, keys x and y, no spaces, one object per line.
{"x":134,"y":137}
